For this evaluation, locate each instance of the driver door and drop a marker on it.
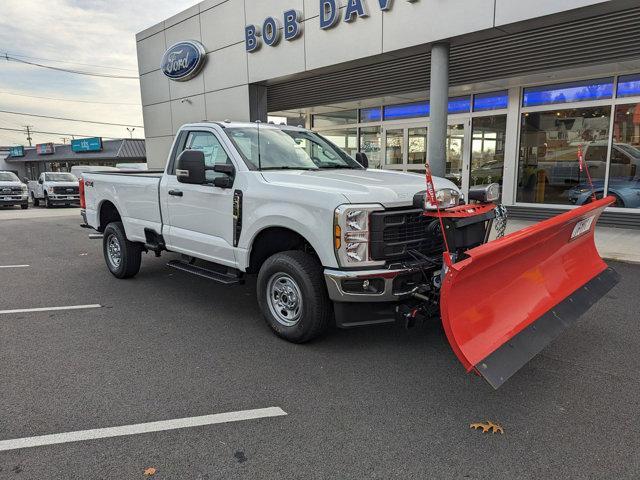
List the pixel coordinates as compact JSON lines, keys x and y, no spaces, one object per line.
{"x":199,"y":218}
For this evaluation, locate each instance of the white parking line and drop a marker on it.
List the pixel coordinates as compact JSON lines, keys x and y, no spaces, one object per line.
{"x":139,"y":428}
{"x":14,"y":266}
{"x":50,"y":309}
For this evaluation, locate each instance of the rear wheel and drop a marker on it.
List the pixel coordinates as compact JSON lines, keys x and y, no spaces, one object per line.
{"x":122,"y":257}
{"x":293,"y":296}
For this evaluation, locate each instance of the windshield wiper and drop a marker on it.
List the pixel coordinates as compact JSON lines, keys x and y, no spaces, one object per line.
{"x":286,"y":167}
{"x":332,"y":167}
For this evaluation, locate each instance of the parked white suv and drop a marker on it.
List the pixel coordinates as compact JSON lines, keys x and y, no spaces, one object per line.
{"x":13,"y":191}
{"x":55,"y":188}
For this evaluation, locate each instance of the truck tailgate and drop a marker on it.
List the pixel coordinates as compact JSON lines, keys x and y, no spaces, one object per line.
{"x":133,"y":195}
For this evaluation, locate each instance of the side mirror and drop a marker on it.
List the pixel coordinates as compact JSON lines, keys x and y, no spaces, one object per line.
{"x":362,"y":159}
{"x":40,"y":181}
{"x":223,"y":182}
{"x":225,"y":168}
{"x":190,"y":167}
{"x":227,"y":180}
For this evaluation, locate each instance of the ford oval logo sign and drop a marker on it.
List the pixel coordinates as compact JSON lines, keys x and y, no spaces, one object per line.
{"x":183,"y":61}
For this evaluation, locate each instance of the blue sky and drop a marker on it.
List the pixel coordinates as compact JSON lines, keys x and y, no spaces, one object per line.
{"x":96,"y":32}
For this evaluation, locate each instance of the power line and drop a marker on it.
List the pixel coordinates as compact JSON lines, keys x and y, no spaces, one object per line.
{"x":69,"y":99}
{"x":77,"y":72}
{"x":69,"y":62}
{"x":71,"y":119}
{"x":85,"y":135}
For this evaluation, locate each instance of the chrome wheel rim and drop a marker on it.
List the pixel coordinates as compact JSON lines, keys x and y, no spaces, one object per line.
{"x":285,"y":299}
{"x":114,"y":252}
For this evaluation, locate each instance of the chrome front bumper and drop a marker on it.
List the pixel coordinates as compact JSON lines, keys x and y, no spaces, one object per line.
{"x":334,"y":279}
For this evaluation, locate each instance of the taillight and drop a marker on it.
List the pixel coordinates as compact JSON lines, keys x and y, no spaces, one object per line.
{"x":83,"y":203}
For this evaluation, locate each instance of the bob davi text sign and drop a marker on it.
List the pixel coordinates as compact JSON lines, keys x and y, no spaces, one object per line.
{"x":273,"y":29}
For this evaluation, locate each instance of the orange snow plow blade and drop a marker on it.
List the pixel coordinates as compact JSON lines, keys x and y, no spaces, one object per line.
{"x":509,"y":298}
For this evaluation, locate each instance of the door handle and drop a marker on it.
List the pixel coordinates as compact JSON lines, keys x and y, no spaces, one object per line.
{"x":176,"y":193}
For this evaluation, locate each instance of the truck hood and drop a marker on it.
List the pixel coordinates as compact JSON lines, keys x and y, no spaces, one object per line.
{"x":61,"y":184}
{"x":389,"y":188}
{"x":11,"y":184}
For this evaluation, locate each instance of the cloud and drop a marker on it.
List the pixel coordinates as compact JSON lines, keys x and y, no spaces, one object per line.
{"x":96,"y":32}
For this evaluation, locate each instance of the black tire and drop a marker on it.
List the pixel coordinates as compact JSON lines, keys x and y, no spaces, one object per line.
{"x":47,"y":202}
{"x":36,"y":202}
{"x":24,"y":206}
{"x":130,"y":252}
{"x":315,"y":309}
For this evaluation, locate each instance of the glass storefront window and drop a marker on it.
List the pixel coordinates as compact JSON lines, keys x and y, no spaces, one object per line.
{"x":346,"y":139}
{"x":624,"y":171}
{"x":548,"y":167}
{"x":370,"y":115}
{"x":406,"y":110}
{"x":487,"y":150}
{"x":490,"y":101}
{"x":459,"y":105}
{"x":417,"y":146}
{"x":568,"y":92}
{"x":395,"y":147}
{"x":332,"y":119}
{"x":629,"y":85}
{"x":455,"y":143}
{"x":371,"y":144}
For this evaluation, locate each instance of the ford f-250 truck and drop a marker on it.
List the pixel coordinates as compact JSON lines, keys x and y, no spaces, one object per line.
{"x":55,"y":188}
{"x":328,"y":238}
{"x":13,"y":191}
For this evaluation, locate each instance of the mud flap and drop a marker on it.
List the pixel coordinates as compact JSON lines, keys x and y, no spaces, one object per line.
{"x":511,"y":297}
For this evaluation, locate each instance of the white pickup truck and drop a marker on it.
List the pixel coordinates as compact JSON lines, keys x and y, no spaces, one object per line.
{"x":55,"y":188}
{"x":13,"y":191}
{"x":326,"y":237}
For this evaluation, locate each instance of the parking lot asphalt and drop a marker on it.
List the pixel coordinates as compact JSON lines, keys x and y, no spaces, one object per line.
{"x":378,"y":402}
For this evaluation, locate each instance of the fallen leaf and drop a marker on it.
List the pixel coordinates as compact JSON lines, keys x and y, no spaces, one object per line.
{"x":150,"y":472}
{"x":487,"y":426}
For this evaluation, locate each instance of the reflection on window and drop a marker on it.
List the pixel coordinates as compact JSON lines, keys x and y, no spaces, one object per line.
{"x":487,"y":150}
{"x":371,"y":144}
{"x":417,"y":146}
{"x":624,"y":171}
{"x":629,"y":85}
{"x":346,"y":139}
{"x":548,"y":167}
{"x":343,"y":117}
{"x":568,"y":92}
{"x":370,"y":115}
{"x":459,"y":104}
{"x":395,"y":149}
{"x":490,"y":101}
{"x":406,"y":110}
{"x":455,"y":142}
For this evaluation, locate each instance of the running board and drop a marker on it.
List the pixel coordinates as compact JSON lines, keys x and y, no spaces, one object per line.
{"x":224,"y":278}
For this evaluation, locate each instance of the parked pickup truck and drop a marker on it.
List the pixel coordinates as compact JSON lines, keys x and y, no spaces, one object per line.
{"x":13,"y":191}
{"x":55,"y":188}
{"x":331,"y":240}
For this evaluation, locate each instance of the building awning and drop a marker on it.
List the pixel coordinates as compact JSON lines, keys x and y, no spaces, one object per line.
{"x":123,"y":150}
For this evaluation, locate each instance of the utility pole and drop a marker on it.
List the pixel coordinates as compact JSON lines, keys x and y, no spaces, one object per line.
{"x":29,"y":127}
{"x":130,"y":130}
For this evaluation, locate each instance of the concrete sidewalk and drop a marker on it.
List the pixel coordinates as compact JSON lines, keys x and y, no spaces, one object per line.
{"x":613,"y":243}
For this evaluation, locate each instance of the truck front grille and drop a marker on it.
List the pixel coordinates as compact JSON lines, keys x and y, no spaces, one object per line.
{"x":66,"y":190}
{"x":394,"y":234}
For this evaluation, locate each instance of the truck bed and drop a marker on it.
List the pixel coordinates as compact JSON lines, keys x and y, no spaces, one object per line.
{"x":135,"y":195}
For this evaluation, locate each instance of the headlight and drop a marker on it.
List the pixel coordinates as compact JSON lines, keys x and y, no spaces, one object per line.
{"x":485,"y":193}
{"x":351,"y":234}
{"x":24,"y":189}
{"x":447,"y":198}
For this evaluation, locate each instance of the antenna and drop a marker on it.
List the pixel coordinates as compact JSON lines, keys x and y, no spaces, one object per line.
{"x":258,"y":122}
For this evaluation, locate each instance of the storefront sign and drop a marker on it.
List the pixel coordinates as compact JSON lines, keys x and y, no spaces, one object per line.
{"x":44,"y":148}
{"x":16,"y":151}
{"x":183,"y":61}
{"x":291,"y":27}
{"x":87,"y":144}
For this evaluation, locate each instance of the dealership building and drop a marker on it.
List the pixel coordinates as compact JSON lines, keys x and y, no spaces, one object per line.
{"x":488,"y":90}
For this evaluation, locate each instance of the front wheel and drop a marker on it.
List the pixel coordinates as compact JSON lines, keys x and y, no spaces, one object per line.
{"x":293,"y":296}
{"x":24,"y":206}
{"x":123,"y":257}
{"x":36,"y":202}
{"x":47,"y":202}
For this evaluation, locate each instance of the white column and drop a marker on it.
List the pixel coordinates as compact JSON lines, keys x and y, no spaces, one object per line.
{"x":511,"y":149}
{"x":439,"y":106}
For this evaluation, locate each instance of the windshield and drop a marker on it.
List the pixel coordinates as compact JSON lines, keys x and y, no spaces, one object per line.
{"x":8,"y":177}
{"x":288,"y":149}
{"x":60,"y":177}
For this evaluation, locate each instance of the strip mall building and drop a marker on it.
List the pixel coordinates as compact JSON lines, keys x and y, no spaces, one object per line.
{"x":489,"y":90}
